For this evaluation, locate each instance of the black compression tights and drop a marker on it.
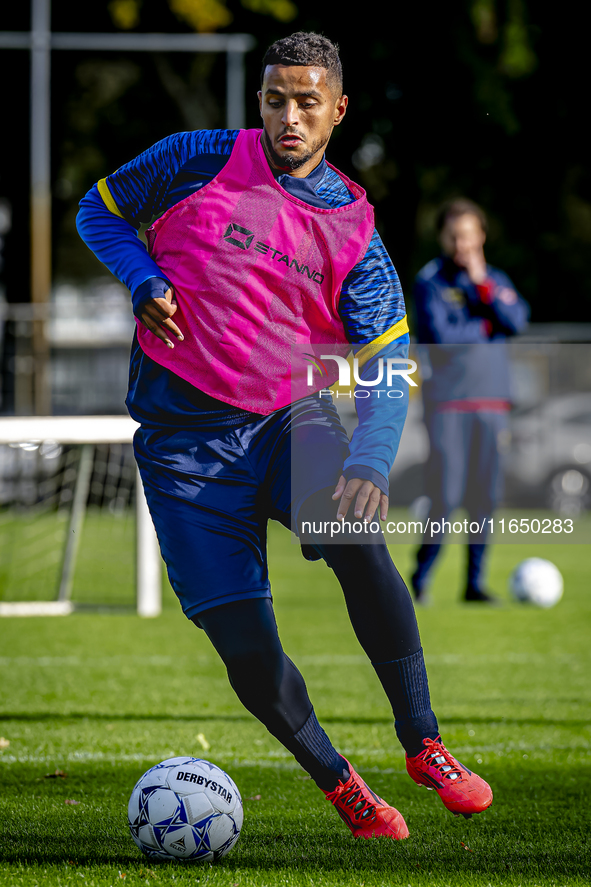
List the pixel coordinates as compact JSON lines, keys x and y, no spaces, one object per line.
{"x":381,"y":613}
{"x":265,"y":680}
{"x":270,"y":686}
{"x":379,"y":605}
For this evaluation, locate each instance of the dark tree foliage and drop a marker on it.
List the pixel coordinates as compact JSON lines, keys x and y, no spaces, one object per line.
{"x":483,"y":98}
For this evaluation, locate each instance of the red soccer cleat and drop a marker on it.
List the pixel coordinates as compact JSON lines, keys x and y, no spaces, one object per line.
{"x":366,"y":815}
{"x":460,"y":790}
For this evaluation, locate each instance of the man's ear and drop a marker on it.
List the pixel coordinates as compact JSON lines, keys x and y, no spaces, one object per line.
{"x":340,"y":109}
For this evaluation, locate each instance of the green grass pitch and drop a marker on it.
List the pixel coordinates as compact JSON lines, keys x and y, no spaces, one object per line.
{"x":102,"y":697}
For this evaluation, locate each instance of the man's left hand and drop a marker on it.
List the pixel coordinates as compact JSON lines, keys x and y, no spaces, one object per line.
{"x":369,"y":496}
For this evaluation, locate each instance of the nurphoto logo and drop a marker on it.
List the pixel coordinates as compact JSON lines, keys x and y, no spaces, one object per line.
{"x":317,"y":363}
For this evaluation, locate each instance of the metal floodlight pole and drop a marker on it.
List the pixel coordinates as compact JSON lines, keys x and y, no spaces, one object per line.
{"x":40,"y":160}
{"x":235,"y":116}
{"x":40,"y":41}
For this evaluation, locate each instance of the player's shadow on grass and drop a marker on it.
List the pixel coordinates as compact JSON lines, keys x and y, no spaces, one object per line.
{"x":244,"y":718}
{"x":59,"y":852}
{"x":429,"y":854}
{"x":537,"y":847}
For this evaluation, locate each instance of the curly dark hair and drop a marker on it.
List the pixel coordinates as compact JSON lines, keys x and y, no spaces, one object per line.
{"x":307,"y":48}
{"x":460,"y":206}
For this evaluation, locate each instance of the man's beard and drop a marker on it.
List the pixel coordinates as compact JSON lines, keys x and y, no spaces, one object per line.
{"x":289,"y":161}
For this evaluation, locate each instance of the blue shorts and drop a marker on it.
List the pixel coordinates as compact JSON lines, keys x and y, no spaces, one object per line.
{"x":212,"y":490}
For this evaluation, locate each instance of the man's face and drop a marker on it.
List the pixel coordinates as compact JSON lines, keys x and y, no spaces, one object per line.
{"x":299,"y":111}
{"x":462,"y":237}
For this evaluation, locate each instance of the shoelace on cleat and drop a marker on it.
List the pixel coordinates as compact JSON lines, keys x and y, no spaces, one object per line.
{"x":359,"y":808}
{"x":436,"y":755}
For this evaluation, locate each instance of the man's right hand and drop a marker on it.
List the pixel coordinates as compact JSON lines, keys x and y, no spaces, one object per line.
{"x":473,"y":261}
{"x":157,"y":315}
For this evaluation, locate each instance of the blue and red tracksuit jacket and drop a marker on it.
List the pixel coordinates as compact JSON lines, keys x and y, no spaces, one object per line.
{"x":467,"y":326}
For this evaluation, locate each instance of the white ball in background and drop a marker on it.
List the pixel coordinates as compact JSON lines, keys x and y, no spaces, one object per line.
{"x":536,"y":581}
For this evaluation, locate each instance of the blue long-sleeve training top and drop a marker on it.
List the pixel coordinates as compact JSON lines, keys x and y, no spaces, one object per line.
{"x":371,"y":303}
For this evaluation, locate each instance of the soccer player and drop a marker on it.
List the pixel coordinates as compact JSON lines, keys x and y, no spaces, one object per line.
{"x":260,"y":244}
{"x":461,"y":301}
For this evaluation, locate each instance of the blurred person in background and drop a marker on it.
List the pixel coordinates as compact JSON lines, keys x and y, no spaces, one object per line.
{"x":467,"y":309}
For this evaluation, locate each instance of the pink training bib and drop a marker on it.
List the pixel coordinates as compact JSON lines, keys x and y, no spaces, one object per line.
{"x":255,"y":271}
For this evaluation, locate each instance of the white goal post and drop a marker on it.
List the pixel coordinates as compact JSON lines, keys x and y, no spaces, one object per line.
{"x":87,"y":431}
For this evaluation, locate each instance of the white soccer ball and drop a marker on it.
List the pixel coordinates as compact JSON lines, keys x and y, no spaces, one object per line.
{"x":186,"y":809}
{"x":536,"y":581}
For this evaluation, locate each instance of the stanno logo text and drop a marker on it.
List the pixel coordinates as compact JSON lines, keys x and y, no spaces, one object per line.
{"x":243,"y":239}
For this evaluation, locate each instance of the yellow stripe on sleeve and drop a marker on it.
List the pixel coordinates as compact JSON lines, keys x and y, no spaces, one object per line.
{"x":108,"y":198}
{"x":370,"y":350}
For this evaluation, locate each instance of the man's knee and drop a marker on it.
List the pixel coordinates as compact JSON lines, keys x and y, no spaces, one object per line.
{"x":255,"y":669}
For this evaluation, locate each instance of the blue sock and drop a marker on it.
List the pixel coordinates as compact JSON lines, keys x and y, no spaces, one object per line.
{"x":314,"y":751}
{"x":407,"y":688}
